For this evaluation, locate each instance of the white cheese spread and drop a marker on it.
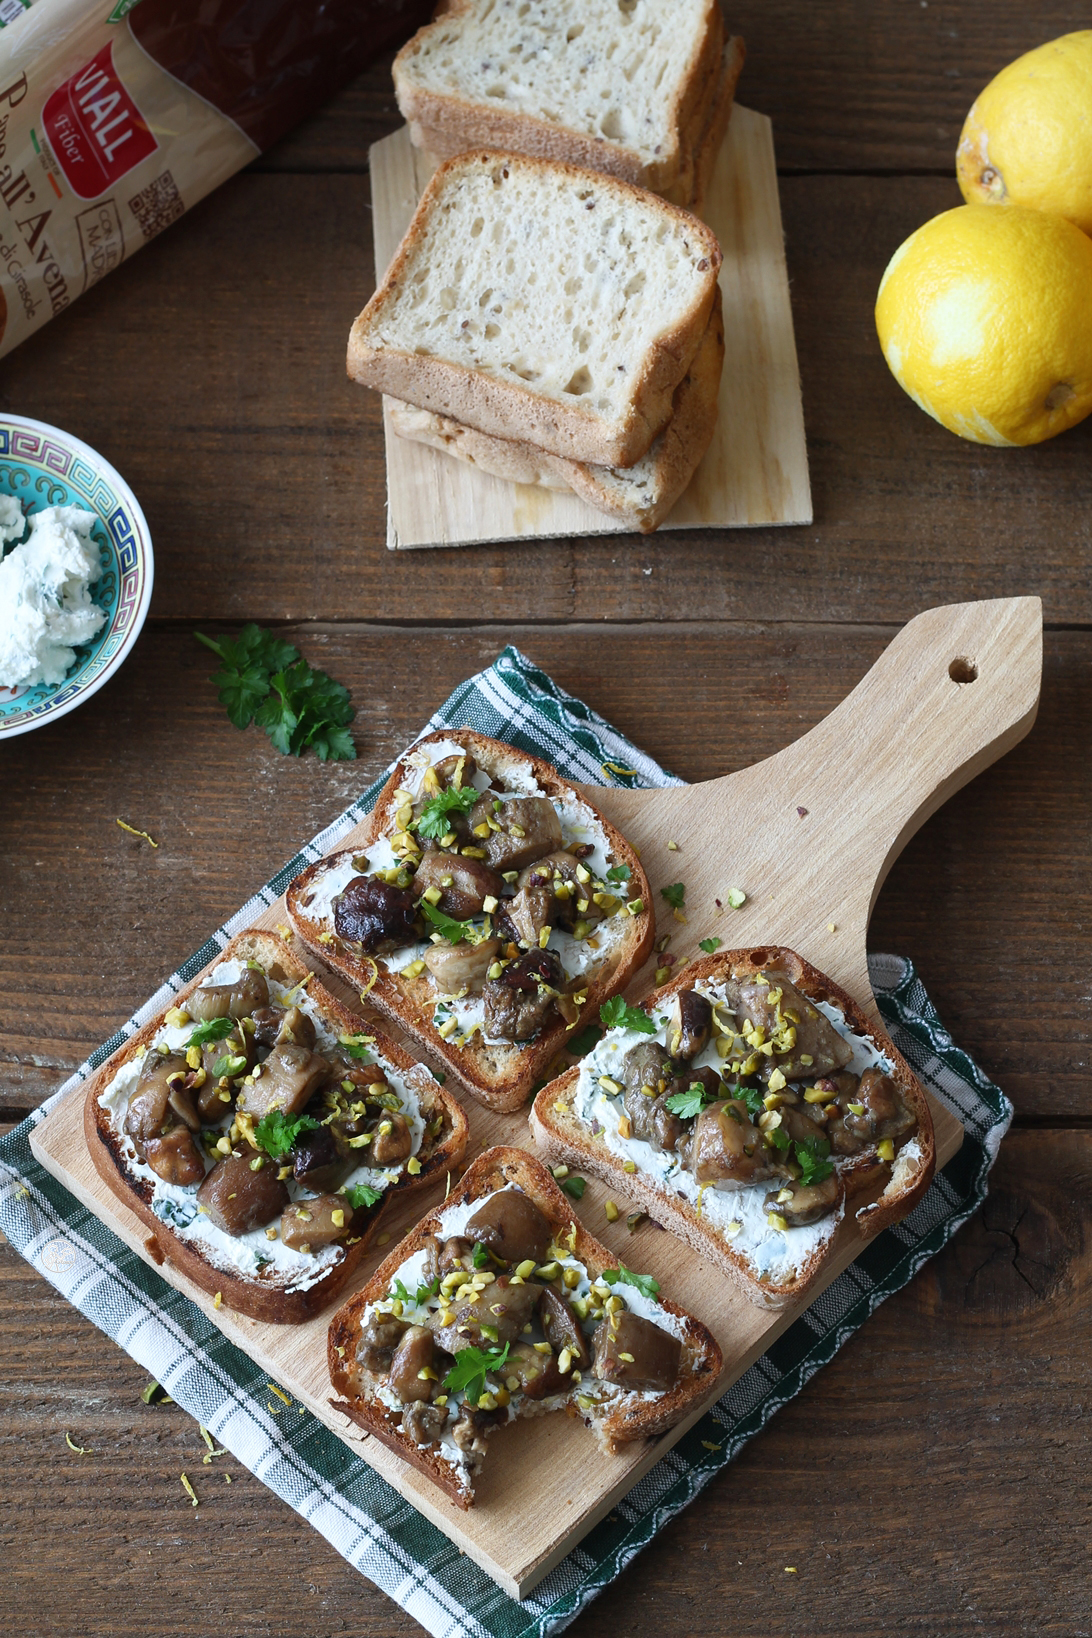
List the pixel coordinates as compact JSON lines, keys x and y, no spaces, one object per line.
{"x":46,"y":609}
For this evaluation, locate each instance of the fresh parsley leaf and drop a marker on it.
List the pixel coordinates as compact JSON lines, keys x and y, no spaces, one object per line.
{"x":265,"y":680}
{"x":675,"y":894}
{"x":439,"y":1075}
{"x":420,"y":1296}
{"x":433,"y":822}
{"x":359,"y":1194}
{"x":574,"y":1186}
{"x":811,"y":1157}
{"x":355,"y":1046}
{"x":779,"y":1138}
{"x":615,"y":1014}
{"x":583,"y":1043}
{"x":645,"y":1284}
{"x":619,"y":873}
{"x":453,"y":931}
{"x":689,"y":1103}
{"x":753,"y":1098}
{"x":481,"y":1256}
{"x":467,"y":1375}
{"x":710,"y":945}
{"x":214,"y":1029}
{"x":277,"y":1132}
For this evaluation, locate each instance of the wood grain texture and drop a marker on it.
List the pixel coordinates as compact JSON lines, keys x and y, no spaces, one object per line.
{"x":756,"y":469}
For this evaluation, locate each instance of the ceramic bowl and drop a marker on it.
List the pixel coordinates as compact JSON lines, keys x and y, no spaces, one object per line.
{"x":42,"y":466}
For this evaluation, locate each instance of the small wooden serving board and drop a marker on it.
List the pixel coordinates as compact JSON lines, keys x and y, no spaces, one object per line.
{"x":756,"y":470}
{"x":809,"y":835}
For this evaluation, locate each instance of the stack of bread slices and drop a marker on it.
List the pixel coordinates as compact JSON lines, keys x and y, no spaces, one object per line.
{"x":548,"y":317}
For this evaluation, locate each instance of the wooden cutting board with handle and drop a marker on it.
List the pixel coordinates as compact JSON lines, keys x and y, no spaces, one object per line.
{"x":809,"y":835}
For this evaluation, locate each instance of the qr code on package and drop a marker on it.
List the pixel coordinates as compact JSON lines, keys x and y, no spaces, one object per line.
{"x":157,"y":206}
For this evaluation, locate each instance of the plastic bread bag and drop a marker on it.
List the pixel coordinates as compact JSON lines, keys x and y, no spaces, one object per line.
{"x":115,"y":118}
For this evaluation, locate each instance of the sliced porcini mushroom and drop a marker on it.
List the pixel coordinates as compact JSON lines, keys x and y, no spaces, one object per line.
{"x":647,"y":1068}
{"x":237,"y":1000}
{"x":379,"y":1337}
{"x":414,"y":1354}
{"x":464,"y":966}
{"x":510,"y":1225}
{"x":455,"y":772}
{"x":803,"y":1203}
{"x":530,"y":911}
{"x":444,"y":1255}
{"x":176,"y":1158}
{"x":689,"y":1024}
{"x":531,"y":1371}
{"x":727,"y":1147}
{"x":463,"y":884}
{"x":296,"y":1029}
{"x":319,"y":1220}
{"x":180,"y":1100}
{"x":528,"y":828}
{"x":289,"y":1078}
{"x":243,"y":1193}
{"x":561,"y":1329}
{"x":147,"y":1109}
{"x":878,"y":1111}
{"x":267,"y":1023}
{"x":229,"y":1058}
{"x":375,"y":914}
{"x":634,"y":1353}
{"x":771,"y":1003}
{"x":322,"y":1159}
{"x":424,"y":1422}
{"x":392,"y":1140}
{"x":518,"y":1002}
{"x":570,"y":886}
{"x":494,"y":1315}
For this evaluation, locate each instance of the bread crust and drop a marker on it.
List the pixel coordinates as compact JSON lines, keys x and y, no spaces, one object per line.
{"x":503,"y":408}
{"x":561,"y":1136}
{"x":632,"y":1418}
{"x":500,"y":1077}
{"x":244,"y":1294}
{"x":457,"y":123}
{"x":675,"y":454}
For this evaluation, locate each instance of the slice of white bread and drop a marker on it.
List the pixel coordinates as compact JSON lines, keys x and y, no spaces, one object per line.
{"x":716,"y":127}
{"x":532,"y":300}
{"x":500,"y":1074}
{"x":617,"y":1416}
{"x":773,"y":1267}
{"x":614,"y":85}
{"x":641,"y":495}
{"x":303,"y":1285}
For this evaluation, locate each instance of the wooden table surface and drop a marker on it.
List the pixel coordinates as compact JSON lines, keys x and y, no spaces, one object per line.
{"x":935,"y":1478}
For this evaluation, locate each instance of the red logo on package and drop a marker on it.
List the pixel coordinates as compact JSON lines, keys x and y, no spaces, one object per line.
{"x":97,"y":131}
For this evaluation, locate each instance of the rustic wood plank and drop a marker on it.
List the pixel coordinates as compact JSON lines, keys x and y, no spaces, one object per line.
{"x":261,"y":467}
{"x":995,"y":878}
{"x":910,"y":1496}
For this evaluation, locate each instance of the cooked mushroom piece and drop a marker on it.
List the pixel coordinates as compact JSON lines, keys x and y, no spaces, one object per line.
{"x":800,"y":1204}
{"x":238,"y":1199}
{"x":147,"y":1109}
{"x":561,"y":1328}
{"x":689,"y":1024}
{"x":529,"y":912}
{"x":455,"y":772}
{"x":665,"y":1130}
{"x":772,"y":1003}
{"x":463,"y":884}
{"x":516,"y":1003}
{"x":290,"y":1075}
{"x":267,"y":1022}
{"x":570,"y":886}
{"x":510,"y":1225}
{"x":375,"y":915}
{"x":296,"y":1029}
{"x":471,"y":1426}
{"x":322,"y":1159}
{"x":180,"y":1100}
{"x":883,"y":1114}
{"x":727,"y":1147}
{"x":647,"y":1065}
{"x":495,"y":1315}
{"x":529,"y":828}
{"x":634,"y":1353}
{"x":237,"y":1000}
{"x":442,"y":1256}
{"x":308,"y":1225}
{"x":459,"y":967}
{"x":392,"y":1141}
{"x":424,"y":1422}
{"x":213,"y":1100}
{"x":413,"y":1355}
{"x":534,"y":1374}
{"x":379,"y":1337}
{"x":175,"y":1158}
{"x":229,"y":1058}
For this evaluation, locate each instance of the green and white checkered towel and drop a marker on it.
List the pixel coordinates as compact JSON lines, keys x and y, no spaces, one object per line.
{"x":378,"y":1532}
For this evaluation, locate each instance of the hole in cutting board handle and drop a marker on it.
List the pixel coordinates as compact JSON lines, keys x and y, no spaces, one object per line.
{"x":963,"y":670}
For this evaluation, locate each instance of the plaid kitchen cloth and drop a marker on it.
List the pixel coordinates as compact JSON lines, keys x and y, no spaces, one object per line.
{"x":373,"y":1527}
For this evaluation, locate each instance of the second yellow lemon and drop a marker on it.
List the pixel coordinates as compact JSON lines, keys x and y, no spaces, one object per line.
{"x":985,"y":318}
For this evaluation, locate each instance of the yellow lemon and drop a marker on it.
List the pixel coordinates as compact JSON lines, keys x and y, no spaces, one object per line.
{"x":1028,"y":138}
{"x":985,"y":317}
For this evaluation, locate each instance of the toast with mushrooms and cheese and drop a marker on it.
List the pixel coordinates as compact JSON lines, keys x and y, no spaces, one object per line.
{"x":489,"y":909}
{"x":500,"y":1305}
{"x":258,"y":1129}
{"x":748,"y":1105}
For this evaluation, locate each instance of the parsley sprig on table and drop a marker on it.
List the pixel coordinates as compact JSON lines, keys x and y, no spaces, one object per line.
{"x":263,"y":679}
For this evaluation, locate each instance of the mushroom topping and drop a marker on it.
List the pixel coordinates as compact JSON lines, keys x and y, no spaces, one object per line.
{"x":393,"y":1140}
{"x":878,"y":1110}
{"x":296,"y":1029}
{"x":463,"y":884}
{"x":510,"y":1225}
{"x":379,"y":1337}
{"x":443,"y":1257}
{"x":528,"y":827}
{"x":689,"y":1025}
{"x":175,"y":1158}
{"x":803,"y":1203}
{"x":666,"y":1132}
{"x":634,"y":1353}
{"x":494,"y":1315}
{"x":472,"y":1425}
{"x":180,"y":1100}
{"x":321,"y":1159}
{"x":424,"y":1422}
{"x":375,"y":915}
{"x":561,"y":1328}
{"x":459,"y":967}
{"x":770,"y":1003}
{"x":229,"y":1058}
{"x":267,"y":1022}
{"x":647,"y":1068}
{"x":534,"y":1373}
{"x":727,"y":1147}
{"x":290,"y":1075}
{"x":213,"y":1100}
{"x":413,"y":1355}
{"x":569,"y":886}
{"x":308,"y":1225}
{"x":236,"y":1000}
{"x":517,"y":1002}
{"x":147,"y":1109}
{"x":239,"y":1195}
{"x":529,"y":912}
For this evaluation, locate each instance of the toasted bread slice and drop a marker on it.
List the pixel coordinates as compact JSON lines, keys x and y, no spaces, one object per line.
{"x":291,"y":1286}
{"x":532,"y":300}
{"x":614,"y":87}
{"x":641,"y":495}
{"x":500,"y":1073}
{"x":618,"y":1416}
{"x":774,"y":1265}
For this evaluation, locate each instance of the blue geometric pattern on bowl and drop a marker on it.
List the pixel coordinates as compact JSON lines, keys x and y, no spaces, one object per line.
{"x":42,"y":466}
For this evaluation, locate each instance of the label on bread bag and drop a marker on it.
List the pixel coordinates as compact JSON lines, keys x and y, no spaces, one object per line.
{"x":97,"y":132}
